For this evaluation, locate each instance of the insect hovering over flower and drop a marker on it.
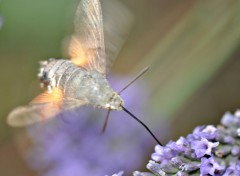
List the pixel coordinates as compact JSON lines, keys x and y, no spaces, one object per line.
{"x":80,"y":80}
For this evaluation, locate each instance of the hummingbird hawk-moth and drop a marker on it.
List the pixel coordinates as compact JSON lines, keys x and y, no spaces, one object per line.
{"x":82,"y":79}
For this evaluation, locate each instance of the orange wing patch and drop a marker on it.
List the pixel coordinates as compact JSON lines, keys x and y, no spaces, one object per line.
{"x":49,"y":104}
{"x":77,"y":54}
{"x":56,"y":96}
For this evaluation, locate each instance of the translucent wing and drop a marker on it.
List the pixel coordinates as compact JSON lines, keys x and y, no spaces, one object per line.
{"x":117,"y":23}
{"x":43,"y":107}
{"x":86,"y":46}
{"x":27,"y":115}
{"x":99,"y":36}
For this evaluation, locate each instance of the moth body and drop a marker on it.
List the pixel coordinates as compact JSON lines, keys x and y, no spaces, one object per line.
{"x":79,"y":84}
{"x":82,"y":79}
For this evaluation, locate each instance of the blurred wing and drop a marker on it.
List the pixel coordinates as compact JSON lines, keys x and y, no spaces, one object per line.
{"x":86,"y":46}
{"x":117,"y":23}
{"x":45,"y":106}
{"x":27,"y":115}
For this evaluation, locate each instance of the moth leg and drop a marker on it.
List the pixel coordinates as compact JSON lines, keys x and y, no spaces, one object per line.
{"x":105,"y":121}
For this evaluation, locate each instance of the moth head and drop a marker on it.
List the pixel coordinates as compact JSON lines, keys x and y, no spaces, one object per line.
{"x":115,"y":102}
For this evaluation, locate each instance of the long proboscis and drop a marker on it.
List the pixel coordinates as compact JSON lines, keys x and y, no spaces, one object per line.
{"x":124,"y":88}
{"x":145,"y":126}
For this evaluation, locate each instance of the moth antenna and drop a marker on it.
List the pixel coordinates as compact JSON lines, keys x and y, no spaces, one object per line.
{"x":106,"y":121}
{"x":145,"y":126}
{"x":130,"y":83}
{"x":138,"y":76}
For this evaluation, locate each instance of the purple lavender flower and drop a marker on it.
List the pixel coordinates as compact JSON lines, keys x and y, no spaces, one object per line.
{"x":203,"y":147}
{"x":118,"y":174}
{"x":233,"y":169}
{"x":208,"y":150}
{"x":211,"y":166}
{"x":72,"y":143}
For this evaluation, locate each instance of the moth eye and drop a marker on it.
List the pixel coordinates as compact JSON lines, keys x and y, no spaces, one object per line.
{"x":44,"y":76}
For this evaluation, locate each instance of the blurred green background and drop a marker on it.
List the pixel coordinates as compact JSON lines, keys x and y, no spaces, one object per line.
{"x":192,"y":47}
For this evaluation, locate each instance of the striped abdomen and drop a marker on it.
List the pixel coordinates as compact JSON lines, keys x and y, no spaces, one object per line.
{"x":78,"y":83}
{"x":56,"y":73}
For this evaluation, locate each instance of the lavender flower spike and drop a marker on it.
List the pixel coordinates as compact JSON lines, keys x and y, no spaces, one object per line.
{"x":208,"y":150}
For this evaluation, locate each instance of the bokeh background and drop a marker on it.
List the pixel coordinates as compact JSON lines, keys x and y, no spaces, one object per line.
{"x":192,"y":47}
